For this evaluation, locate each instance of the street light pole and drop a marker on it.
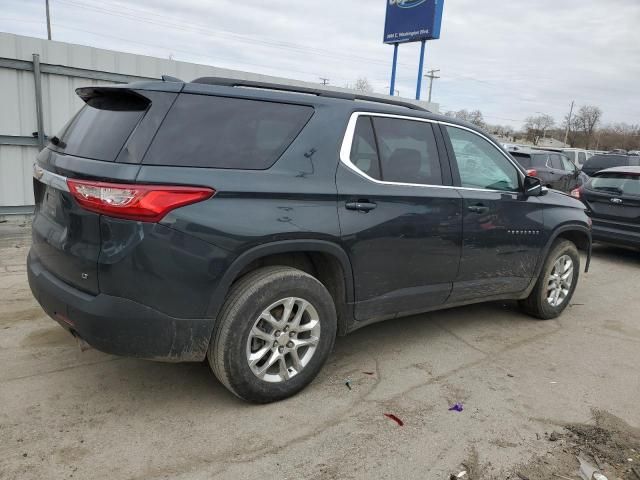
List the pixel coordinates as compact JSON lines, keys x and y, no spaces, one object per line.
{"x":48,"y":21}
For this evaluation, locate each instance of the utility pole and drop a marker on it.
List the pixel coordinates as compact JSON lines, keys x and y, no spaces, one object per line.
{"x":325,"y":81}
{"x":431,"y":76}
{"x":48,"y":21}
{"x":566,"y":133}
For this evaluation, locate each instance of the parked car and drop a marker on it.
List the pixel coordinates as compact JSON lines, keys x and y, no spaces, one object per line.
{"x":576,"y":155}
{"x":613,"y":198}
{"x":553,"y":169}
{"x":250,"y":226}
{"x":600,"y":162}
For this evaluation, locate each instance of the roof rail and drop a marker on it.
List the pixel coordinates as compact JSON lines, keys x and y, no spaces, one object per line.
{"x":321,"y":92}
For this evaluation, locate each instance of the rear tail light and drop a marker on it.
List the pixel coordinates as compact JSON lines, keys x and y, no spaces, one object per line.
{"x":145,"y":203}
{"x":532,"y":172}
{"x":576,"y":193}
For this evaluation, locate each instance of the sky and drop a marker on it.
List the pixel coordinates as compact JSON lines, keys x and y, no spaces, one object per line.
{"x":508,"y":58}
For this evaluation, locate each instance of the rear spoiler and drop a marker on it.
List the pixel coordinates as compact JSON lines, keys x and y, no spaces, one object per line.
{"x":113,"y":98}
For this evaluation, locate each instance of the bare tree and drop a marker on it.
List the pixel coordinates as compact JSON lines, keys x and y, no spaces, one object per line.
{"x":362,"y":84}
{"x":474,"y":117}
{"x":537,"y":126}
{"x":501,"y":130}
{"x":619,"y":135}
{"x":587,"y":120}
{"x":573,"y":129}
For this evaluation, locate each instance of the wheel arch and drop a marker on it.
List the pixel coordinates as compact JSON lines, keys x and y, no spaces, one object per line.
{"x":579,"y":235}
{"x":325,"y":260}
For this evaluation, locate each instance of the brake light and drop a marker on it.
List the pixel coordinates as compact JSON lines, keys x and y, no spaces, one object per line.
{"x":576,"y":193}
{"x":532,"y":172}
{"x":145,"y":203}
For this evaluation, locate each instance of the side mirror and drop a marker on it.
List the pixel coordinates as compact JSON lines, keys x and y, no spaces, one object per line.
{"x":532,"y":187}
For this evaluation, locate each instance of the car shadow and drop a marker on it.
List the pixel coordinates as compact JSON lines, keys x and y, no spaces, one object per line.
{"x":616,"y":254}
{"x":195,"y":381}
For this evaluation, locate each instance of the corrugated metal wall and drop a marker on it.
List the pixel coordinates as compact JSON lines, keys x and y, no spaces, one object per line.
{"x":18,"y":119}
{"x":18,"y":107}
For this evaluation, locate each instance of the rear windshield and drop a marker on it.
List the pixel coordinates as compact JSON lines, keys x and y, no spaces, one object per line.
{"x":524,"y":159}
{"x":221,"y":132}
{"x":617,"y":183}
{"x":100,"y":129}
{"x":606,"y":161}
{"x":530,"y":160}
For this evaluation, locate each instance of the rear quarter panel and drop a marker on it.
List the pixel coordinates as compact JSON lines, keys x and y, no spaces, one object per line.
{"x":294,"y":199}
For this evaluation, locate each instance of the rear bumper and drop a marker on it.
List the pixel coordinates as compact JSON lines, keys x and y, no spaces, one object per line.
{"x":117,"y":325}
{"x":615,"y":236}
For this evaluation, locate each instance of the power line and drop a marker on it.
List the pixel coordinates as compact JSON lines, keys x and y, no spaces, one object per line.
{"x":566,"y":133}
{"x":325,"y":81}
{"x":194,"y":28}
{"x":193,"y":54}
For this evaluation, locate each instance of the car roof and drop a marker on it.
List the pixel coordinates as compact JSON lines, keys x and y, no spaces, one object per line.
{"x":630,"y":169}
{"x":303,"y":95}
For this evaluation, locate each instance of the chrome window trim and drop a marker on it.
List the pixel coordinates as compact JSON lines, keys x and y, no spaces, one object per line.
{"x":347,"y":141}
{"x":49,"y":178}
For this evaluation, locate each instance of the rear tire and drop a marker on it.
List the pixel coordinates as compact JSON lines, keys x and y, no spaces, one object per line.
{"x":552,"y":293}
{"x":273,"y":335}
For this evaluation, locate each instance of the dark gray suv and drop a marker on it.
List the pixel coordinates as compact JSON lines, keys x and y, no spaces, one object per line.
{"x":250,"y":226}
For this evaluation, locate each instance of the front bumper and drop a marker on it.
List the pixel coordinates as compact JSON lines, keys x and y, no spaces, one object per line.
{"x":117,"y":325}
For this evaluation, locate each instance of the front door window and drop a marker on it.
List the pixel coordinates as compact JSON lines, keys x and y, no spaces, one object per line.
{"x":480,"y":164}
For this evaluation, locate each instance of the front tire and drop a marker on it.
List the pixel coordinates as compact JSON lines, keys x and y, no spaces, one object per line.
{"x":556,"y":283}
{"x":274,"y":333}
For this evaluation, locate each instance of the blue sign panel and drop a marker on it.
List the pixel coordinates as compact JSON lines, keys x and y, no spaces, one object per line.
{"x":412,"y":20}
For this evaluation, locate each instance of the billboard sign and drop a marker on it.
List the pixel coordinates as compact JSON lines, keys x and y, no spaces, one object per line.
{"x":412,"y":20}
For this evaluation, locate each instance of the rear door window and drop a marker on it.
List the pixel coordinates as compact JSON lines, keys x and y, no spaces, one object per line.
{"x":221,"y":132}
{"x":408,"y":151}
{"x":540,"y":159}
{"x":555,"y":161}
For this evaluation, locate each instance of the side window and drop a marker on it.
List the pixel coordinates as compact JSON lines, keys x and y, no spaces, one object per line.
{"x":226,"y":132}
{"x":542,"y":160}
{"x":364,"y":153}
{"x":555,"y":161}
{"x":408,"y":151}
{"x":566,"y":164}
{"x":582,"y":157}
{"x":481,"y":164}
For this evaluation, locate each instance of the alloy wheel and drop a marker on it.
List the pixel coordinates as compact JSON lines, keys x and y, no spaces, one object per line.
{"x":283,"y":339}
{"x":560,"y":281}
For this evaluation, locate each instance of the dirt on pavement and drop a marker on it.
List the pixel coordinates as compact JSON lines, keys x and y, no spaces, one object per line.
{"x":534,"y":395}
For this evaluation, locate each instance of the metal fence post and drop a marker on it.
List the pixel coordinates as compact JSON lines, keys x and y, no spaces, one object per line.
{"x":38,"y":83}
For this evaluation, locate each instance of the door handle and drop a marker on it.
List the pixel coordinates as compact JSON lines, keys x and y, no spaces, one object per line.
{"x":478,"y":209}
{"x":361,"y":206}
